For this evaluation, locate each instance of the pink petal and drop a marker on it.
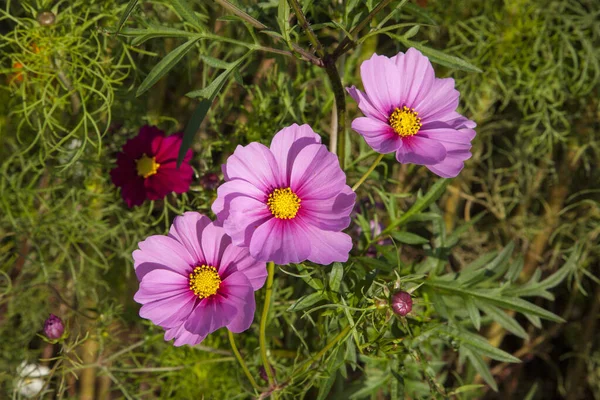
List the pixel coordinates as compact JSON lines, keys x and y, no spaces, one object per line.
{"x":379,"y":135}
{"x":245,"y":216}
{"x":187,"y":229}
{"x":441,"y":101}
{"x":327,"y":247}
{"x":164,"y":251}
{"x":256,"y":164}
{"x":286,"y":145}
{"x":214,"y":243}
{"x":445,"y":133}
{"x":316,"y":174}
{"x":420,"y":150}
{"x":238,"y":292}
{"x":417,"y":76}
{"x":331,"y":214}
{"x":365,"y":105}
{"x":238,"y":259}
{"x":449,"y":168}
{"x":211,"y":314}
{"x":230,"y":190}
{"x":280,"y":241}
{"x":182,"y":336}
{"x":161,"y":284}
{"x":176,"y":304}
{"x":382,"y":83}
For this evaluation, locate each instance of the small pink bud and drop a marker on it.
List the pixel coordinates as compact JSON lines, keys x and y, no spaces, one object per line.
{"x":53,"y":327}
{"x":401,"y":303}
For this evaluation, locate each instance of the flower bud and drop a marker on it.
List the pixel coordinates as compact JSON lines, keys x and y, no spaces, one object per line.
{"x":401,"y":303}
{"x":46,"y":18}
{"x":53,"y":327}
{"x":210,"y":181}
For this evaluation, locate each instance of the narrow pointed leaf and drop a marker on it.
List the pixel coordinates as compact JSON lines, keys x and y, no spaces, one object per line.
{"x":165,"y":65}
{"x":126,"y":14}
{"x":183,"y":8}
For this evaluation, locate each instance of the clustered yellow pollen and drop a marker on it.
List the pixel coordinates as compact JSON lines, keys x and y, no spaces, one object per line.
{"x":147,"y":166}
{"x":405,"y":121}
{"x":283,"y":203}
{"x":204,"y":281}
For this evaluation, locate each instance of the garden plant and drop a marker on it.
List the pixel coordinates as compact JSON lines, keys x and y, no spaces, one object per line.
{"x":299,"y":199}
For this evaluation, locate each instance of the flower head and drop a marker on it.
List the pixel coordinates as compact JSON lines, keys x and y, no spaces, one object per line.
{"x":31,"y":379}
{"x":53,"y":327}
{"x":287,"y":203}
{"x":411,"y":112}
{"x":401,"y":303}
{"x":194,"y":281}
{"x":147,"y":167}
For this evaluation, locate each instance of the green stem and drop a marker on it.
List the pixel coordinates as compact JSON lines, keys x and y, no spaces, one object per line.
{"x":307,"y":364}
{"x":340,"y":105}
{"x":241,"y":361}
{"x":306,"y":26}
{"x":263,"y":323}
{"x":341,"y":49}
{"x":366,"y":174}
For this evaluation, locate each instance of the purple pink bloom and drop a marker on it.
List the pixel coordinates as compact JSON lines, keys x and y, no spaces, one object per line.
{"x":147,"y":167}
{"x":194,"y":281}
{"x":412,"y":113}
{"x":288,"y":202}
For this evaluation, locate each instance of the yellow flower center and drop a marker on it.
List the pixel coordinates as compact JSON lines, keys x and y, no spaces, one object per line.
{"x":283,"y":203}
{"x":405,"y":121}
{"x":147,"y":166}
{"x":204,"y":281}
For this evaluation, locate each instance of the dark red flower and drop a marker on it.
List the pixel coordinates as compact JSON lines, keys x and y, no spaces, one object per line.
{"x":147,"y":167}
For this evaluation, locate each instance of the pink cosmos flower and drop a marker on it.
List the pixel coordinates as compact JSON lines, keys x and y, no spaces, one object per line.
{"x":287,"y":203}
{"x":194,"y":281}
{"x":147,"y":167}
{"x":411,"y":112}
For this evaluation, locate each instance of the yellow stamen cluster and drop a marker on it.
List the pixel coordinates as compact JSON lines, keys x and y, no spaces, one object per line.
{"x":204,"y":281}
{"x":283,"y":203}
{"x":405,"y":121}
{"x":147,"y":166}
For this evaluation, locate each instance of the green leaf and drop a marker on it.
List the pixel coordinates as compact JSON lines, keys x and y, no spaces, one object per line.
{"x":420,"y":12}
{"x":509,"y":303}
{"x":211,"y":91}
{"x":325,"y":388}
{"x":126,"y":14}
{"x":409,"y":238}
{"x":192,"y":127}
{"x":215,"y":62}
{"x":503,"y":319}
{"x":306,"y":277}
{"x":335,"y":278}
{"x":481,"y":367}
{"x":437,"y":56}
{"x":483,"y":347}
{"x":473,"y":312}
{"x":466,"y":388}
{"x":165,"y":65}
{"x":306,"y":301}
{"x":412,"y":31}
{"x":183,"y":8}
{"x":422,"y":203}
